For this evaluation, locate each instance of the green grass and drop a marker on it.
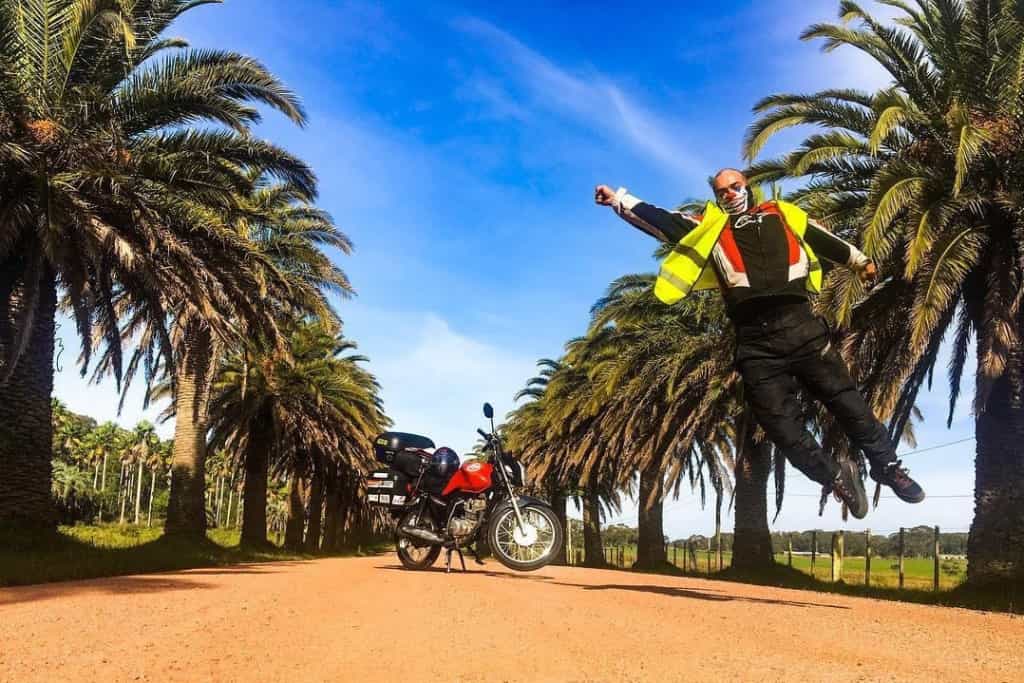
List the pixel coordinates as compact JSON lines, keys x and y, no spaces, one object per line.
{"x":917,"y":571}
{"x":84,"y":552}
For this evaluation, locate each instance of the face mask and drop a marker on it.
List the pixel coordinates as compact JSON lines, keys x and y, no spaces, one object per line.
{"x":738,"y":204}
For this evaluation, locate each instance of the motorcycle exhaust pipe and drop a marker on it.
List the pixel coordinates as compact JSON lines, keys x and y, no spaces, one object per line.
{"x":417,"y":534}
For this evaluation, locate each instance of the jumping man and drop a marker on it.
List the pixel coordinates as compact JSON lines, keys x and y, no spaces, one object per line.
{"x":764,"y":259}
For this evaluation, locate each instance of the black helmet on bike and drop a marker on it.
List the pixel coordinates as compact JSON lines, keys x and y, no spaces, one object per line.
{"x":444,"y":462}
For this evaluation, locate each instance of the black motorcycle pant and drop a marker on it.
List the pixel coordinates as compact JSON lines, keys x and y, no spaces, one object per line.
{"x":785,"y":349}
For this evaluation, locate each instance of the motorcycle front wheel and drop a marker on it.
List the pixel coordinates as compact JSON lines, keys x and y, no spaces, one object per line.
{"x":411,"y":555}
{"x":529,"y":548}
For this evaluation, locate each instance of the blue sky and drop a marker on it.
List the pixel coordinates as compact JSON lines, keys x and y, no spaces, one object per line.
{"x":458,"y":146}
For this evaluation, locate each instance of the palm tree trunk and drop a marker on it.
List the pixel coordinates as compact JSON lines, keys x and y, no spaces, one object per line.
{"x":558,"y":504}
{"x":96,"y":477}
{"x":296,"y":515}
{"x":186,"y":511}
{"x":120,"y":483}
{"x":650,"y":550}
{"x":316,"y":504}
{"x":103,"y":477}
{"x":220,"y":501}
{"x":26,"y":414}
{"x":752,"y":540}
{"x":152,"y":493}
{"x":241,"y":504}
{"x":230,"y":495}
{"x":216,"y":501}
{"x":718,"y":525}
{"x":138,"y":493}
{"x":995,"y":545}
{"x":332,"y":503}
{"x":126,"y":487}
{"x":257,"y":462}
{"x":593,"y":553}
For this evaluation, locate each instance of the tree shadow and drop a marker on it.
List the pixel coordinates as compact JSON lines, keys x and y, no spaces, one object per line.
{"x":49,"y":563}
{"x":122,"y":585}
{"x":701,"y":594}
{"x":710,"y":594}
{"x":470,"y":570}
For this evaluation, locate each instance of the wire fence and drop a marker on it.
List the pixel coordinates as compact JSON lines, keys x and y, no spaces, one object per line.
{"x":826,"y":561}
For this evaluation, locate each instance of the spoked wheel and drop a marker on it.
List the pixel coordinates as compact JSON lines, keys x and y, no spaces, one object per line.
{"x":528,"y":548}
{"x":410,"y":553}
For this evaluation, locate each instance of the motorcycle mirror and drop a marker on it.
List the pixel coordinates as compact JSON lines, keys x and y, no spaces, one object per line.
{"x":488,"y":411}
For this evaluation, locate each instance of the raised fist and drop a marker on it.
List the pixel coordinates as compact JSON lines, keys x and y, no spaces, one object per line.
{"x":604,"y":195}
{"x":869,"y":275}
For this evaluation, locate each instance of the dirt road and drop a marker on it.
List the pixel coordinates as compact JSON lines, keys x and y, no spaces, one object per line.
{"x":367,"y":620}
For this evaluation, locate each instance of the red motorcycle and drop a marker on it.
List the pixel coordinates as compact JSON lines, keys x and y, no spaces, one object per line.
{"x":441,"y":504}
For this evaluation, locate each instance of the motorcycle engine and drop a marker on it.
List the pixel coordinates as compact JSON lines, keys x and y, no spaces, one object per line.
{"x":464,"y":525}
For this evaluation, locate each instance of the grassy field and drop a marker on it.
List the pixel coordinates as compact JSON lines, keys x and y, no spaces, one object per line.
{"x":84,"y":552}
{"x":917,"y":588}
{"x":917,"y":571}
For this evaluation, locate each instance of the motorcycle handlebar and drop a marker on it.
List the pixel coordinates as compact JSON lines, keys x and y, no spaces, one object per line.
{"x":484,"y":434}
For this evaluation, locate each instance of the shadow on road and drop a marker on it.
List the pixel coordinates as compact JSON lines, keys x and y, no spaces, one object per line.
{"x":470,"y":570}
{"x":677,"y":592}
{"x":711,"y":594}
{"x":124,"y":585}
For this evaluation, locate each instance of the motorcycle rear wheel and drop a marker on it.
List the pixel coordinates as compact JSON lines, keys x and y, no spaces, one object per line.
{"x":525,"y":552}
{"x":412,"y":556}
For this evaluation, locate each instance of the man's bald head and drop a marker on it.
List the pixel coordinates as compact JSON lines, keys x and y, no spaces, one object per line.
{"x":726,"y":177}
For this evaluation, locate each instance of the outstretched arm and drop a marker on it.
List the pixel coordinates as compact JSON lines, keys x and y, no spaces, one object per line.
{"x":839,"y":251}
{"x":666,"y":226}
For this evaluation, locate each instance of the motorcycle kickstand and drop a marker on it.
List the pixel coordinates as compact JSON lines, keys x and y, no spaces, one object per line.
{"x":448,"y":562}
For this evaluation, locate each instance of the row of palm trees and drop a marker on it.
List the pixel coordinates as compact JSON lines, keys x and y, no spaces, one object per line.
{"x":135,"y":197}
{"x":86,"y":455}
{"x":928,"y":176}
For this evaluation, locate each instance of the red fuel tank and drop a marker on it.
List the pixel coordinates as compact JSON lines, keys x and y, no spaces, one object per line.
{"x":472,"y":477}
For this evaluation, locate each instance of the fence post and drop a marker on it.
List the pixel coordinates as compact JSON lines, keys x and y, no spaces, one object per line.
{"x":789,"y":544}
{"x":837,"y":556}
{"x":936,"y":579}
{"x":675,"y":555}
{"x":718,"y":542}
{"x":709,"y":556}
{"x":693,"y":558}
{"x":901,"y":558}
{"x":867,"y":557}
{"x":568,"y":540}
{"x":814,"y":550}
{"x":842,"y":552}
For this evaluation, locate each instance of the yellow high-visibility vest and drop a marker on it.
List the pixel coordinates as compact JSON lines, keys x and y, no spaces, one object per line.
{"x":686,"y":268}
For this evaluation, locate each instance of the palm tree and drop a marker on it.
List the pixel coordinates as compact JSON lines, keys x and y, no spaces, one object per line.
{"x":144,"y":442}
{"x":670,"y":389}
{"x":556,"y":441}
{"x":293,"y":413}
{"x":112,"y":181}
{"x":524,"y":433}
{"x":158,"y":463}
{"x":927,"y":174}
{"x":289,"y":233}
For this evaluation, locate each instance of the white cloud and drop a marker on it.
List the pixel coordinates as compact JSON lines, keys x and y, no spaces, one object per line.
{"x":592,"y":100}
{"x":436,"y":379}
{"x":499,"y":102}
